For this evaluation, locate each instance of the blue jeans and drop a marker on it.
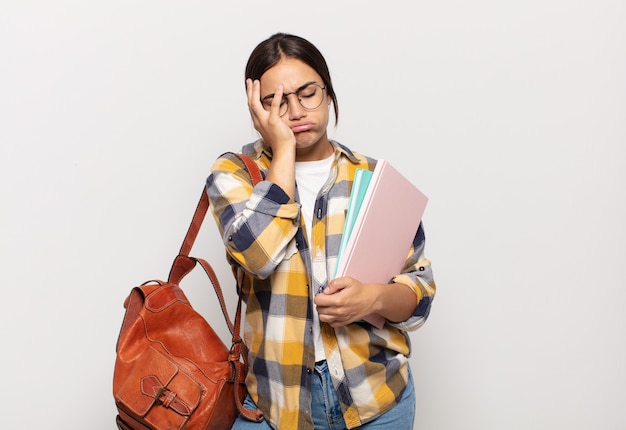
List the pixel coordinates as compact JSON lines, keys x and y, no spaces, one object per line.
{"x":326,"y":412}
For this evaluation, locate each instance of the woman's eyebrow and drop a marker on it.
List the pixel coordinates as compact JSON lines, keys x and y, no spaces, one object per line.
{"x":301,"y":87}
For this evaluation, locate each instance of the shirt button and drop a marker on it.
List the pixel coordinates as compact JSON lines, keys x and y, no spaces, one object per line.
{"x":308,"y":370}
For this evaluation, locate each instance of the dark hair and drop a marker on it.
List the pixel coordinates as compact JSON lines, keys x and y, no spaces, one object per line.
{"x":269,"y":52}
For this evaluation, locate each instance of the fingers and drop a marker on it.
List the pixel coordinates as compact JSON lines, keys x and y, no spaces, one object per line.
{"x":331,"y":308}
{"x":253,"y":91}
{"x":337,"y":285}
{"x":343,"y":301}
{"x":276,"y":101}
{"x":334,"y":318}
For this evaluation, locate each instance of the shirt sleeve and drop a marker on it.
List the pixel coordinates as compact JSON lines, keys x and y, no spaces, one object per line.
{"x":256,"y":223}
{"x":418,"y":275}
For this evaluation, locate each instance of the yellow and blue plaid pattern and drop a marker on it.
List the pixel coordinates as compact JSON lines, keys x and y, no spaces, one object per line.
{"x":263,"y":234}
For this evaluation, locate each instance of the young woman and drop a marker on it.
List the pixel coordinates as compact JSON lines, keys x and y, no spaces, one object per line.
{"x":314,"y":363}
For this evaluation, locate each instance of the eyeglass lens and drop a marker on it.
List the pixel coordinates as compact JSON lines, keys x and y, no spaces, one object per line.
{"x":310,"y":98}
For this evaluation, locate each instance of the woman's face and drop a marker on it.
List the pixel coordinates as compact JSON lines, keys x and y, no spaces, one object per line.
{"x":308,"y":125}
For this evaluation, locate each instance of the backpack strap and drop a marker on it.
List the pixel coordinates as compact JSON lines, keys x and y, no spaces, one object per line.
{"x":183,"y":264}
{"x":203,"y":205}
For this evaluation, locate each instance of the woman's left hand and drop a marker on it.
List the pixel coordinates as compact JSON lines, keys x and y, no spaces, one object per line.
{"x":346,"y":300}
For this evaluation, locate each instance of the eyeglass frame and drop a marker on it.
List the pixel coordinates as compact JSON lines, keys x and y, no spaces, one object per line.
{"x":300,"y":88}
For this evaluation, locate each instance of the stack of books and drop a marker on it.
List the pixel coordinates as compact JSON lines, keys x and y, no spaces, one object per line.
{"x":384,"y":213}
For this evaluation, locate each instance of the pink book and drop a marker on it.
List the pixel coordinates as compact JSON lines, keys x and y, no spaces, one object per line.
{"x":383,"y":231}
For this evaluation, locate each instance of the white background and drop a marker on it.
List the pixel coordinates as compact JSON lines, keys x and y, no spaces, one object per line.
{"x":510,"y":116}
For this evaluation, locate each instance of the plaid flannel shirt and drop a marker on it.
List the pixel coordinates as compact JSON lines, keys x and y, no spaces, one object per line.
{"x":264,"y":235}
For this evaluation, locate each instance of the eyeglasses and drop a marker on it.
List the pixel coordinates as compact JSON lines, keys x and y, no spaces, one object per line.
{"x":310,"y":96}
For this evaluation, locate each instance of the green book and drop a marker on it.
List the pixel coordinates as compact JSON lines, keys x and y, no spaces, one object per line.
{"x":361,"y":181}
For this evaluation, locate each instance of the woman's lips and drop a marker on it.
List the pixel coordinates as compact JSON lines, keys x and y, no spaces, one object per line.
{"x":299,"y":128}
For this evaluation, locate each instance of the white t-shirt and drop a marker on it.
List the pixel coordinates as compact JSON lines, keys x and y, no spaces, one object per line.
{"x":310,"y":178}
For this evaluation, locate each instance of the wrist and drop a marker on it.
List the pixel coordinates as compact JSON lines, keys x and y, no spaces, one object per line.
{"x":395,"y":301}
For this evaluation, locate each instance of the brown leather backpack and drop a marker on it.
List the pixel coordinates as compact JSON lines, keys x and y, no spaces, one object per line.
{"x":172,"y":371}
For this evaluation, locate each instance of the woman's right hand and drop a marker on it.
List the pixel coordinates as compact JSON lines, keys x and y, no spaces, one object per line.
{"x":275,"y":133}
